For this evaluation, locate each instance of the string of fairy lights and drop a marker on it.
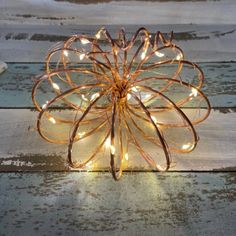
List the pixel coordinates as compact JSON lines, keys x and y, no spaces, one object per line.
{"x":117,"y":98}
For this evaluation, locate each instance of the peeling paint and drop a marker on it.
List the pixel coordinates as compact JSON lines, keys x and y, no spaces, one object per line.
{"x":30,"y":162}
{"x":16,"y":84}
{"x":140,"y":204}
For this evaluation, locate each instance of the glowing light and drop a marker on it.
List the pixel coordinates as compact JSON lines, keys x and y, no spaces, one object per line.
{"x":45,"y":105}
{"x":135,"y":89}
{"x":116,"y":51}
{"x":143,"y":55}
{"x":89,"y":164}
{"x":81,"y":134}
{"x":128,"y":96}
{"x":113,"y":150}
{"x":159,"y":167}
{"x":186,"y":146}
{"x":84,"y":41}
{"x":107,"y":142}
{"x":84,"y":98}
{"x":65,"y":52}
{"x":194,"y":92}
{"x":51,"y":119}
{"x":154,"y":119}
{"x":55,"y":86}
{"x":98,"y":35}
{"x":147,"y":96}
{"x":125,"y":74}
{"x":179,"y":57}
{"x":82,"y":56}
{"x":94,"y":96}
{"x":159,"y":54}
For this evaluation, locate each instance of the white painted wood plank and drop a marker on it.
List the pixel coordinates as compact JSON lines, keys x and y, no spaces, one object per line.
{"x":21,"y":148}
{"x":16,"y":84}
{"x":140,"y":204}
{"x":118,"y":12}
{"x":30,"y":43}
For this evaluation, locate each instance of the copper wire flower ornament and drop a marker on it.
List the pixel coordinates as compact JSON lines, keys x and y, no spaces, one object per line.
{"x":120,"y":97}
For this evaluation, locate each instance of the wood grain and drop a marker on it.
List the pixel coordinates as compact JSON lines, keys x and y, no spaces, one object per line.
{"x":22,"y":149}
{"x":17,"y":82}
{"x":172,"y":203}
{"x":140,"y":204}
{"x":200,"y":42}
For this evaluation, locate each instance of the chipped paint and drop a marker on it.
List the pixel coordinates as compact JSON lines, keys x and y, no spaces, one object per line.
{"x":214,"y":152}
{"x":92,"y":204}
{"x":16,"y":84}
{"x":37,"y":162}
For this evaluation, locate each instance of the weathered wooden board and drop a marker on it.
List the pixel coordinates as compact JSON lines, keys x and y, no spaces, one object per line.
{"x":17,"y":82}
{"x":147,"y":203}
{"x":140,"y":204}
{"x":29,"y":43}
{"x":21,"y":148}
{"x":118,"y":12}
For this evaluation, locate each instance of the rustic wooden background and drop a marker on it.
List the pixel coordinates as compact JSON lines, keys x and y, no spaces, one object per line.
{"x":37,"y":194}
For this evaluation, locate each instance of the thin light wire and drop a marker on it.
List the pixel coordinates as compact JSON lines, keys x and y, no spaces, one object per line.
{"x":128,"y":88}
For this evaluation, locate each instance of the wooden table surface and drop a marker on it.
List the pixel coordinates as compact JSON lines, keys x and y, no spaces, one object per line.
{"x":38,"y":196}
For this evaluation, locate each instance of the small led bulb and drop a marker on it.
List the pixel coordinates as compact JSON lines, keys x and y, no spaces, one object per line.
{"x":94,"y":96}
{"x":147,"y":96}
{"x":143,"y":55}
{"x":44,"y":105}
{"x":81,"y":56}
{"x":81,"y":134}
{"x":159,"y":54}
{"x":89,"y":164}
{"x":65,"y":52}
{"x":84,"y":41}
{"x":194,"y":92}
{"x":51,"y":119}
{"x":134,"y":89}
{"x":84,"y":98}
{"x":179,"y":57}
{"x":186,"y":146}
{"x":98,"y":35}
{"x":128,"y":96}
{"x":154,"y":119}
{"x":113,"y":150}
{"x":107,"y":142}
{"x":55,"y":86}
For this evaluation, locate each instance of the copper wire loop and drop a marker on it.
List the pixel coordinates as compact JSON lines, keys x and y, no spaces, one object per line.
{"x":128,"y":95}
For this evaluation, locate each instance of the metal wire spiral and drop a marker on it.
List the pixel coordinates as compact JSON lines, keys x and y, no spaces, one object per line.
{"x":120,"y":98}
